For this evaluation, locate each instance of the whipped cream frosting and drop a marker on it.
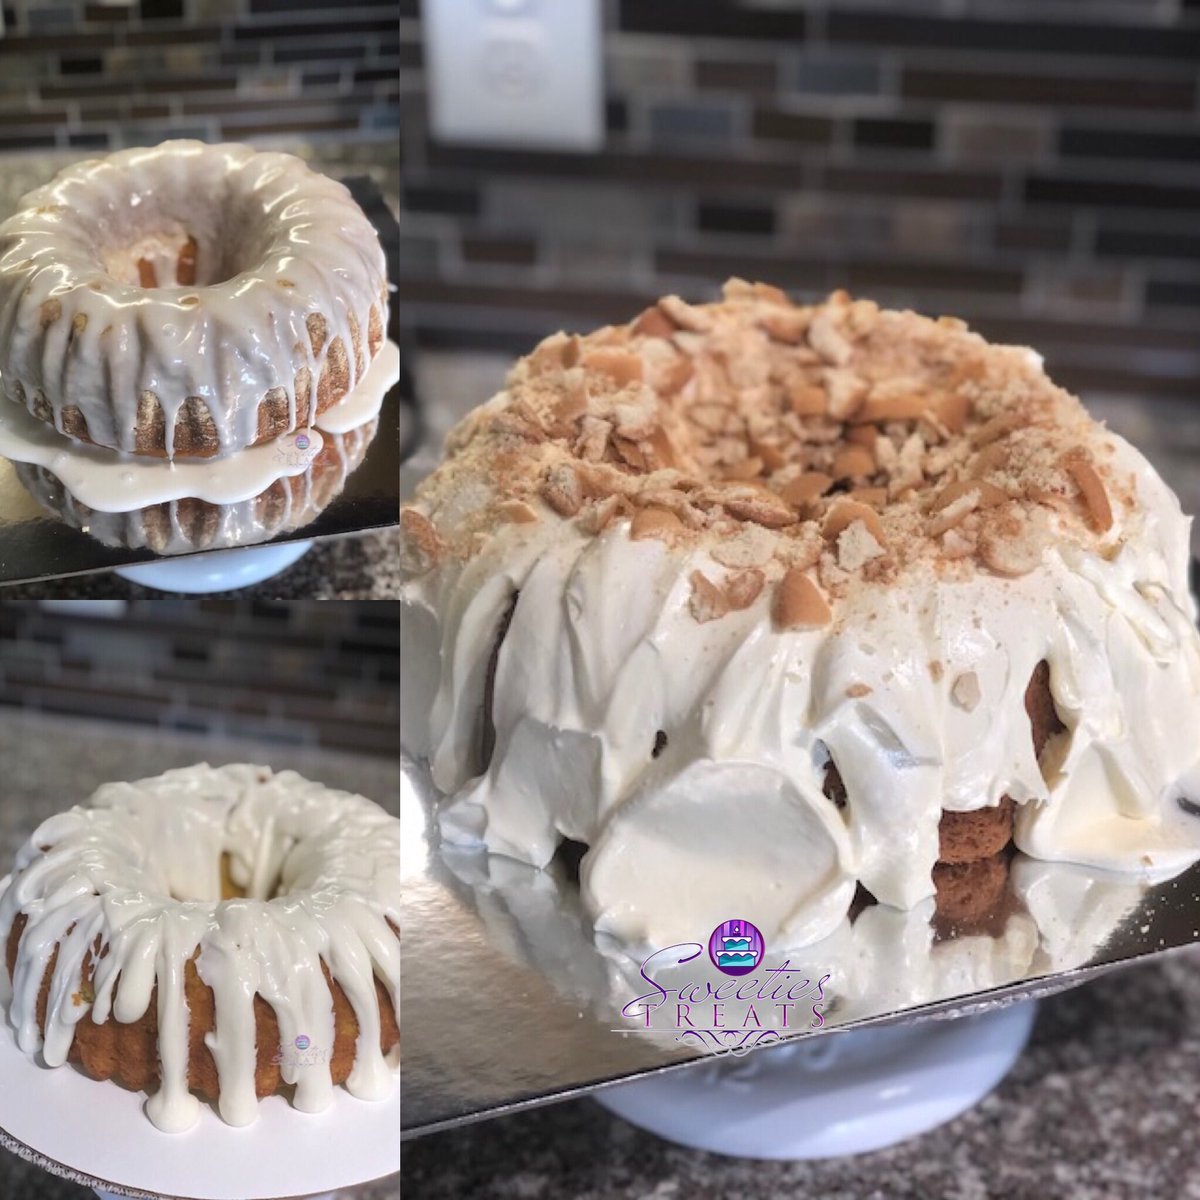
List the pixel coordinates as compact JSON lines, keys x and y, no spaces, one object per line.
{"x":139,"y":868}
{"x":276,"y":245}
{"x":690,"y":754}
{"x":883,"y":959}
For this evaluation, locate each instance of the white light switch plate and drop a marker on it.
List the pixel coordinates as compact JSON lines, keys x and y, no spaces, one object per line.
{"x":515,"y":72}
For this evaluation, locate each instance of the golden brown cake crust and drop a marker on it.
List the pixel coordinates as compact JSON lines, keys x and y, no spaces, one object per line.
{"x":972,"y":897}
{"x":193,"y":524}
{"x":195,"y":434}
{"x":127,"y":1053}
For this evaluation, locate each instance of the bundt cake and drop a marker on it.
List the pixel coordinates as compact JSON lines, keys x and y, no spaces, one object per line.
{"x":178,"y":506}
{"x":768,"y":603}
{"x":190,"y":524}
{"x":187,"y":299}
{"x":227,"y":932}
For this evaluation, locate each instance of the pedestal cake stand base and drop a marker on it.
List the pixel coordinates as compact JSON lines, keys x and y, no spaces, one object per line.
{"x":831,"y":1095}
{"x":218,"y":570}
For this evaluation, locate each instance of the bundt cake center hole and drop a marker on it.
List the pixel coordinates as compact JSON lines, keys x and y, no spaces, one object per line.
{"x":169,"y":256}
{"x":229,"y":888}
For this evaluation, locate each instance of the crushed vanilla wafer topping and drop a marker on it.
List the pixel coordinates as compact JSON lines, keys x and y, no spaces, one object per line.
{"x":838,"y":440}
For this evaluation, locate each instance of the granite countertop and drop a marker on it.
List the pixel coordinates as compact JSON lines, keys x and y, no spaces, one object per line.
{"x":52,"y":762}
{"x":1101,"y":1105}
{"x":363,"y":567}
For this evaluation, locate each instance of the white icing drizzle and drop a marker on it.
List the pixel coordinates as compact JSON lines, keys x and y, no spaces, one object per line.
{"x":279,"y":242}
{"x":602,"y":651}
{"x":111,"y":482}
{"x":117,"y":869}
{"x":363,"y":403}
{"x":242,"y":523}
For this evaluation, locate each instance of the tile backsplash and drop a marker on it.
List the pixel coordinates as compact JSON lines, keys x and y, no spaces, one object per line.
{"x":301,"y":674}
{"x":1034,"y":167}
{"x":88,"y":74}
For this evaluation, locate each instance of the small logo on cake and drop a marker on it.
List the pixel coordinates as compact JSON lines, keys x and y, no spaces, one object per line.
{"x":297,"y":449}
{"x":301,"y":1053}
{"x":736,"y":947}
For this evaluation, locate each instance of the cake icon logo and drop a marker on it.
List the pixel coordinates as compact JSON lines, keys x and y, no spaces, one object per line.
{"x":298,"y":449}
{"x":736,"y":947}
{"x":303,"y":1052}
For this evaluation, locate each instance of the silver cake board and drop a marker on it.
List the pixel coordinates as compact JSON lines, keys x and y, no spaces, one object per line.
{"x":510,"y":1001}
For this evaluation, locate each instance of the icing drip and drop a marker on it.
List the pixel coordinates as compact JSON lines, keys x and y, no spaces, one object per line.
{"x":112,"y":482}
{"x":140,"y":869}
{"x":184,"y":526}
{"x":361,"y":404}
{"x":199,"y":504}
{"x":289,"y":283}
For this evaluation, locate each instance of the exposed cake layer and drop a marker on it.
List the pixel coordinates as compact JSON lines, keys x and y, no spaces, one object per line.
{"x":748,"y":542}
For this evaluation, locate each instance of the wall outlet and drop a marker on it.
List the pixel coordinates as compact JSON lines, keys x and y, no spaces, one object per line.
{"x":515,"y":72}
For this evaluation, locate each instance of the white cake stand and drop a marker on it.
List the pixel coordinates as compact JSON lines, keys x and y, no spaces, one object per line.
{"x":833,"y":1094}
{"x":218,"y":570}
{"x":97,"y":1135}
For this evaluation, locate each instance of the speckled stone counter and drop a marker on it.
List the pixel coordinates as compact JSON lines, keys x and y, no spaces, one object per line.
{"x":1103,"y":1105}
{"x":363,"y":567}
{"x":50,"y":763}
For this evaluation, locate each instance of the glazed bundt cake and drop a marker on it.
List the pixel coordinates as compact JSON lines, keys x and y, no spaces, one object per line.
{"x":179,"y":506}
{"x":770,"y":603}
{"x":227,"y":932}
{"x":187,"y":299}
{"x":189,"y":524}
